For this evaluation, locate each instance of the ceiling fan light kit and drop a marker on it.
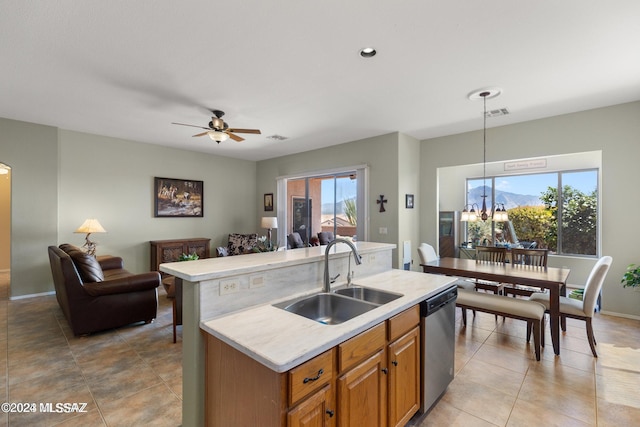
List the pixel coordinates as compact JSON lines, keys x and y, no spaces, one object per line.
{"x":218,"y":130}
{"x":218,"y":136}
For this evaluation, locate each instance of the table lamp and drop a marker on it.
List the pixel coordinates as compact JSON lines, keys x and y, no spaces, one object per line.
{"x":89,"y":226}
{"x":269,"y":222}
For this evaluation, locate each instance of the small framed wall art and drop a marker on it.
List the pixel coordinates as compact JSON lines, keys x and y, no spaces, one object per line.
{"x":408,"y":199}
{"x":268,"y":202}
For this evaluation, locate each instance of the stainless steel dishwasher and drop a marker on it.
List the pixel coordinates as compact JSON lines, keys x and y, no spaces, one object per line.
{"x":437,"y":317}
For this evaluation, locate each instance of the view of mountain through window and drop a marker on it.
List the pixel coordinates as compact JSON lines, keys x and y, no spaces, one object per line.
{"x":565,"y":221}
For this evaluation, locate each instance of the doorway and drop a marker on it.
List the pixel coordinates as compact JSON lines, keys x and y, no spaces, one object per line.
{"x":5,"y":230}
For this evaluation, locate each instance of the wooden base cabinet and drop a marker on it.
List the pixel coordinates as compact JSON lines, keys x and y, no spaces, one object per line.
{"x":404,"y":378}
{"x":372,"y":379}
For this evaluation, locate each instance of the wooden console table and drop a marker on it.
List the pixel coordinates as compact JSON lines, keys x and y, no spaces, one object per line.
{"x":170,"y":251}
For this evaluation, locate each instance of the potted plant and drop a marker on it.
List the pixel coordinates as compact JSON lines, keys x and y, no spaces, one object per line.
{"x":631,"y":277}
{"x":190,"y":257}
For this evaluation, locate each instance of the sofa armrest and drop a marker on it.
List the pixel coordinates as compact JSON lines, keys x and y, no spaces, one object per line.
{"x":123,"y":285}
{"x":108,"y":262}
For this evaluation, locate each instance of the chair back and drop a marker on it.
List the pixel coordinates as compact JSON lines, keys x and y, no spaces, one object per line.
{"x":427,"y":253}
{"x":594,"y":284}
{"x":325,"y":237}
{"x":491,"y":254}
{"x":534,"y":257}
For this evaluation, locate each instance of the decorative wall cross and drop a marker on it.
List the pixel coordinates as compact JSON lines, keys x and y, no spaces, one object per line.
{"x":381,"y":202}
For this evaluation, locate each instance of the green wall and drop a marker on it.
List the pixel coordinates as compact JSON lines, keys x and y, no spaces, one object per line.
{"x":613,"y":130}
{"x":380,"y":153}
{"x":61,"y":177}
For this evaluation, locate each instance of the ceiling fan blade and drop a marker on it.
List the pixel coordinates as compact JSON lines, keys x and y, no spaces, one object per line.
{"x":201,"y":134}
{"x":193,"y":126}
{"x":235,"y":137}
{"x":244,"y":130}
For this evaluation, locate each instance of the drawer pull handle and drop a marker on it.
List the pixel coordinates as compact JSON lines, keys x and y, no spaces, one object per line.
{"x":317,"y":377}
{"x":329,"y":412}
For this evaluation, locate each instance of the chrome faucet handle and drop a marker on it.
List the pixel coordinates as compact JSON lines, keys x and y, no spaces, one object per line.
{"x":333,"y":279}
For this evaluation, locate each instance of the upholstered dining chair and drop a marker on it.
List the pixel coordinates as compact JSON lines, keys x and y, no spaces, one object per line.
{"x":531,"y":257}
{"x":490,"y":254}
{"x":428,"y":254}
{"x":582,"y":310}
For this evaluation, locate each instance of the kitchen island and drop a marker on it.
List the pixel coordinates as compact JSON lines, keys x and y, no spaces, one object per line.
{"x":231,"y":299}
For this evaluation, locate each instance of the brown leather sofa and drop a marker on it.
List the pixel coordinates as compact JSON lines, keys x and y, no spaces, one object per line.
{"x":98,"y":294}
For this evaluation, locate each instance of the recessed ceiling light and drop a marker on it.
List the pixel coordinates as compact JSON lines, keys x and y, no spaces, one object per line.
{"x":368,"y":52}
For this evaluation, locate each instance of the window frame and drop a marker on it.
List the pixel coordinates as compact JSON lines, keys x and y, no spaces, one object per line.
{"x":490,"y":181}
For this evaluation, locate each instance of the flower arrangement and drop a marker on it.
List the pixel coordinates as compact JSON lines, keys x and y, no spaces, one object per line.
{"x":265,"y":245}
{"x":631,"y":277}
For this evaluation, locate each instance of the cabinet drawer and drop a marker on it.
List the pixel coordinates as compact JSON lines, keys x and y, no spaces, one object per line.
{"x":403,"y":322}
{"x":361,"y":346}
{"x":310,"y":376}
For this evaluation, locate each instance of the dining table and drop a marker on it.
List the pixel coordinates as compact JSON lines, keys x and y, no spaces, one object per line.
{"x":551,"y":278}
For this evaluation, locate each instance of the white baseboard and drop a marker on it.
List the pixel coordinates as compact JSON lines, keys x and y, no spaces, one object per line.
{"x":626,"y":316}
{"x":41,"y":294}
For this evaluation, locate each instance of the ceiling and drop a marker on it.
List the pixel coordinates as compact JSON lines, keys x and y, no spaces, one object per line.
{"x":128,"y":69}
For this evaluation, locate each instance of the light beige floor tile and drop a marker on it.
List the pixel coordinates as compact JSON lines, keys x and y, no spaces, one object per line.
{"x":156,"y":406}
{"x":527,"y":414}
{"x":476,"y":399}
{"x":616,"y":415}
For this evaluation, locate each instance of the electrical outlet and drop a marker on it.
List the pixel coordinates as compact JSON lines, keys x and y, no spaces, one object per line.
{"x":382,"y":230}
{"x":372,"y":258}
{"x":229,"y":286}
{"x":256,"y":282}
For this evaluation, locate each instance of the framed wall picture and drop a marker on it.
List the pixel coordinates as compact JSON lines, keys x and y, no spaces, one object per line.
{"x":178,"y":198}
{"x":268,"y":202}
{"x":409,"y":201}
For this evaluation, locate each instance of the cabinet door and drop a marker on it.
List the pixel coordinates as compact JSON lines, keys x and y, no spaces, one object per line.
{"x":404,"y":378}
{"x":362,"y":394}
{"x":200,"y":248}
{"x":170,"y":252}
{"x":317,"y":410}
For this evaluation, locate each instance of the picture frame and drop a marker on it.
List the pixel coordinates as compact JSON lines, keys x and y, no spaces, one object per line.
{"x":268,"y":202}
{"x":174,"y":197}
{"x":408,"y":199}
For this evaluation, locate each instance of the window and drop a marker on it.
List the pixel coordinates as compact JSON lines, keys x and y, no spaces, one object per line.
{"x":558,"y":211}
{"x":323,"y":202}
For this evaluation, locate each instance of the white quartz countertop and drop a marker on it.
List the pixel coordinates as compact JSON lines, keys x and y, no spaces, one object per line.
{"x":215,"y":268}
{"x":281,"y":340}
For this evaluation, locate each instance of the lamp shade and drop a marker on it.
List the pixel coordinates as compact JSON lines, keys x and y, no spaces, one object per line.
{"x":269,"y":222}
{"x":90,"y":225}
{"x":218,"y":136}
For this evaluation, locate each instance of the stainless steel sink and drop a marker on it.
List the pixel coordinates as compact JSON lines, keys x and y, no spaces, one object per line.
{"x":327,"y":308}
{"x":374,"y":296}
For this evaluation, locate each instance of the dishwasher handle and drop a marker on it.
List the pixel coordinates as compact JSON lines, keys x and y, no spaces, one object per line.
{"x":436,"y":302}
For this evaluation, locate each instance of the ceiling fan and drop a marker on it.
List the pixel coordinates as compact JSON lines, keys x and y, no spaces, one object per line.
{"x":219,"y":130}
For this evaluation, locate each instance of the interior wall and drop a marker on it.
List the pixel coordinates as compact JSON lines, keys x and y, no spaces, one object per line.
{"x":32,"y":152}
{"x":113,"y":180}
{"x":380,"y":153}
{"x":5,"y":221}
{"x":614,"y":130}
{"x":409,"y":183}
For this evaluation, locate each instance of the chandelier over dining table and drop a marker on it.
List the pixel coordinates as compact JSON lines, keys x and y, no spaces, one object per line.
{"x":474,"y":212}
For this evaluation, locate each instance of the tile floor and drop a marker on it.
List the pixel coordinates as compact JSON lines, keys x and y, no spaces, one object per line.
{"x":133,"y":376}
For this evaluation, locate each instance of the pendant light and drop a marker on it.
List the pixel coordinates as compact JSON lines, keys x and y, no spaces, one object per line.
{"x":473,"y":214}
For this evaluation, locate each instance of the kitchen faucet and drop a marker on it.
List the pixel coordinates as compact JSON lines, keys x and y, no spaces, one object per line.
{"x":356,"y":257}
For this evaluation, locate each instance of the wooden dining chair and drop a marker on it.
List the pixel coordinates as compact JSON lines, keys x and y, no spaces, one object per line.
{"x":490,"y":254}
{"x":531,"y":257}
{"x":427,"y":254}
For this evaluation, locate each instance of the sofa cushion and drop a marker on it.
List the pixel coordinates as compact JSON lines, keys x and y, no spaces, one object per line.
{"x":241,"y":243}
{"x":87,"y":265}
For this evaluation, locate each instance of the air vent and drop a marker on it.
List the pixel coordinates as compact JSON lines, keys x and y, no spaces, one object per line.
{"x":498,"y":112}
{"x":277,"y":137}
